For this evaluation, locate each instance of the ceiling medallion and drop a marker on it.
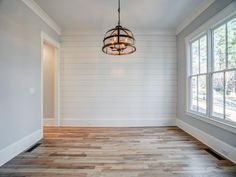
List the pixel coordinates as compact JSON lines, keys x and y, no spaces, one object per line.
{"x":119,"y":40}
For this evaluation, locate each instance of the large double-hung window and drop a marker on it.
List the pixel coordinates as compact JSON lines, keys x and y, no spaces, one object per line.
{"x":212,"y":72}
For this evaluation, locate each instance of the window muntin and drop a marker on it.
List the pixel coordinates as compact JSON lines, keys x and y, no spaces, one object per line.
{"x":221,"y":75}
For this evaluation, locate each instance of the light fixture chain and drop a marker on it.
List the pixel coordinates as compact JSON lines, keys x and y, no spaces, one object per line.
{"x":119,"y":12}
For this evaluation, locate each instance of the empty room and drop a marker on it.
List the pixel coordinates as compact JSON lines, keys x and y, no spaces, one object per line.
{"x":117,"y":88}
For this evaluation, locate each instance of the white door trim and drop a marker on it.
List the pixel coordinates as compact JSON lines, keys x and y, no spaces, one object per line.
{"x":56,"y":44}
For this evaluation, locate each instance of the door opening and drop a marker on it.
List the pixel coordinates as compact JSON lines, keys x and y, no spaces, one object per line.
{"x":49,"y":84}
{"x":50,"y":113}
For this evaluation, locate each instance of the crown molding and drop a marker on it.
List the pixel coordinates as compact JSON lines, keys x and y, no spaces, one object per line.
{"x":49,"y":21}
{"x":193,"y":16}
{"x":43,"y":15}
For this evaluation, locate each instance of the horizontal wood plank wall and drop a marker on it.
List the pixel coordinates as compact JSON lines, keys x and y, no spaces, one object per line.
{"x":134,"y":90}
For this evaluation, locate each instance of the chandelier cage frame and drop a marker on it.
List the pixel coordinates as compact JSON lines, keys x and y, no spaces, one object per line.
{"x":119,"y":40}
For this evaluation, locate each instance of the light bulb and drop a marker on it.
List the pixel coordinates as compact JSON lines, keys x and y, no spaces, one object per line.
{"x":114,"y":39}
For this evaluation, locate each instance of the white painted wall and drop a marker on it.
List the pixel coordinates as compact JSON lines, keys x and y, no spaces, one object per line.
{"x":134,"y":90}
{"x":20,"y":77}
{"x":49,"y":64}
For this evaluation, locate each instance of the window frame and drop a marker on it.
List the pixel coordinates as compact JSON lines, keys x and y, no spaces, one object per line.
{"x":212,"y":71}
{"x":208,"y":29}
{"x":190,"y":75}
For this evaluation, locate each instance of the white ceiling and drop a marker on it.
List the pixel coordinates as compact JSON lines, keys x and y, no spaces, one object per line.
{"x":138,"y":15}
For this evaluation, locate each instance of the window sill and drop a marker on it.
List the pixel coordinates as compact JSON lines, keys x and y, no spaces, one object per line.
{"x":224,"y":125}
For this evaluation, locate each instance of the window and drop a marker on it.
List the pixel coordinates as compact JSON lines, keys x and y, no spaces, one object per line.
{"x":212,"y":76}
{"x":224,"y":71}
{"x":198,"y":75}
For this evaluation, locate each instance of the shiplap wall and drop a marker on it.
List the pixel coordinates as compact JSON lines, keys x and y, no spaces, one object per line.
{"x":134,"y":90}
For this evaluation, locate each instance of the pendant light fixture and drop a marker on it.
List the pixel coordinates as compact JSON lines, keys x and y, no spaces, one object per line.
{"x":119,"y":40}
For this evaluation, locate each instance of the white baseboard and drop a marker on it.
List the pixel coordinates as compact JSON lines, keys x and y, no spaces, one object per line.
{"x":118,"y":122}
{"x":49,"y":122}
{"x":21,"y":145}
{"x":219,"y":146}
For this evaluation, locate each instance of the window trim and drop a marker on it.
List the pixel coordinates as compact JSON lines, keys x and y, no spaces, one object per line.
{"x":207,"y":28}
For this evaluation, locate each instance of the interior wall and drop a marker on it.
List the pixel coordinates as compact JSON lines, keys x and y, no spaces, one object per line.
{"x":219,"y":133}
{"x":134,"y":90}
{"x":49,"y":64}
{"x":20,"y":72}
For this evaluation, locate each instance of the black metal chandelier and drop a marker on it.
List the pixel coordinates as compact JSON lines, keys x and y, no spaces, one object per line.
{"x":119,"y":40}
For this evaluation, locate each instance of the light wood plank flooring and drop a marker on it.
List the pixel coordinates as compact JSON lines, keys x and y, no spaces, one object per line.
{"x":118,"y":152}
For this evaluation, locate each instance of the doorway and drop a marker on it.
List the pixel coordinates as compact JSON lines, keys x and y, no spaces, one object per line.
{"x":50,"y":95}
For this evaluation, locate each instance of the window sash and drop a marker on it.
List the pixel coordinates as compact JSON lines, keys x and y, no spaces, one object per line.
{"x":197,"y":87}
{"x":224,"y":95}
{"x":199,"y":73}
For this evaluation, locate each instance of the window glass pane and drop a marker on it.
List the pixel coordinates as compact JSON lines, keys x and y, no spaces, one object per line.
{"x":195,"y":57}
{"x":230,"y":96}
{"x":194,"y":93}
{"x":218,"y":95}
{"x":202,"y":94}
{"x":219,"y":39}
{"x":203,"y":54}
{"x":231,"y":26}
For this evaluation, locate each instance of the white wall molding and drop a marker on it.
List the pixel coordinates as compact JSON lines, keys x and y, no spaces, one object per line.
{"x":50,"y":122}
{"x":43,"y":15}
{"x":49,"y":39}
{"x":118,"y":122}
{"x":193,"y":16}
{"x":19,"y":146}
{"x":219,"y":146}
{"x":48,"y":20}
{"x":56,"y":45}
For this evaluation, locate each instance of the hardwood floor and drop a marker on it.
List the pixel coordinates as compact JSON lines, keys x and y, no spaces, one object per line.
{"x":118,"y":152}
